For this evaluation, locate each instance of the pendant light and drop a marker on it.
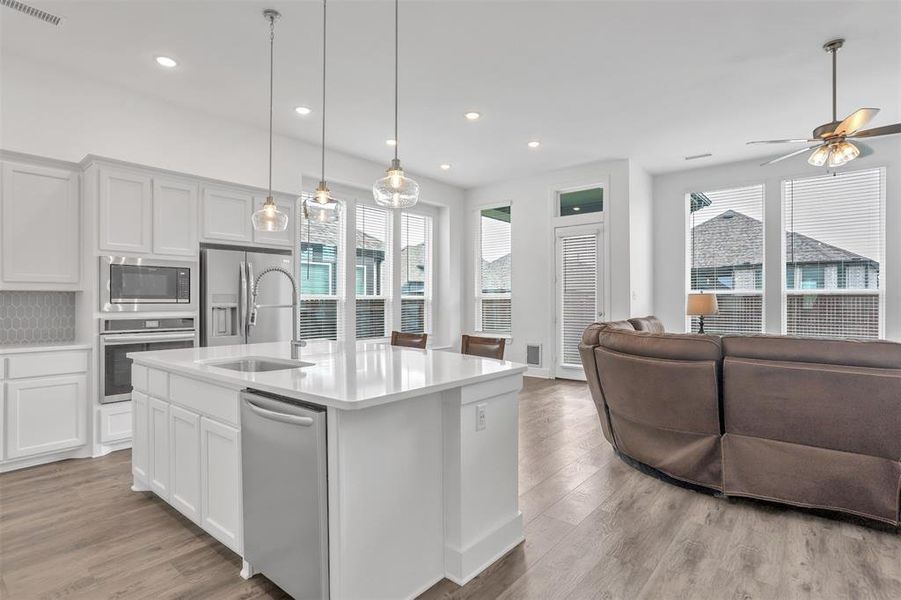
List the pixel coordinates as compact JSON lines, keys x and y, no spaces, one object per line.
{"x":268,"y":217}
{"x":322,"y":207}
{"x":396,"y":190}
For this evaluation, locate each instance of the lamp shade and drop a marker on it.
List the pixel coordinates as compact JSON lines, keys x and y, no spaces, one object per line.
{"x":701,"y":304}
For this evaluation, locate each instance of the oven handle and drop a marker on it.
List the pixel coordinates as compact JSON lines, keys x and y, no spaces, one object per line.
{"x":141,"y":338}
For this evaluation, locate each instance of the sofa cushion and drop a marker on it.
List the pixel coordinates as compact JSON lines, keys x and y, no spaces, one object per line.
{"x":852,"y":353}
{"x":649,"y":323}
{"x":675,"y":346}
{"x":591,"y":333}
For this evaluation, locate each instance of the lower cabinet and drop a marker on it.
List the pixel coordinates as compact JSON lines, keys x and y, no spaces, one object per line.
{"x":140,"y":445}
{"x":220,"y":482}
{"x":184,"y":461}
{"x":158,"y":422}
{"x":45,"y":414}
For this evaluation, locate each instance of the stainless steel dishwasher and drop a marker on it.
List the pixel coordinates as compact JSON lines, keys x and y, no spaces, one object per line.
{"x":283,"y":451}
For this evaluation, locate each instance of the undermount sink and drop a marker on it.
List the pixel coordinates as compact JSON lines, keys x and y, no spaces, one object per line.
{"x":257,"y":364}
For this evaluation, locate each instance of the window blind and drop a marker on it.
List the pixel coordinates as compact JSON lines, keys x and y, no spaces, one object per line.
{"x":416,"y":272}
{"x":493,"y":294}
{"x":578,"y":290}
{"x":373,"y":271}
{"x":726,"y":256}
{"x":319,"y":272}
{"x":834,"y":248}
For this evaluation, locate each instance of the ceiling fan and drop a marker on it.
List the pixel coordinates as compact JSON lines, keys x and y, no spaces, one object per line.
{"x":832,"y":147}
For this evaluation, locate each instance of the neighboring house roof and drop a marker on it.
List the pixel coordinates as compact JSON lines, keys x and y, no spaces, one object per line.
{"x":412,"y":265}
{"x":734,"y":239}
{"x":496,"y":273}
{"x":327,"y":233}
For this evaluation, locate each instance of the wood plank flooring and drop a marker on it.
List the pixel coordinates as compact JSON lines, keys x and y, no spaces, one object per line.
{"x":595,"y":528}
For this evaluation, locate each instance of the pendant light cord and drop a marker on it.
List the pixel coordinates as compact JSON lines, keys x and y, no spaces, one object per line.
{"x":271,"y":70}
{"x":396,"y":37}
{"x":324,"y":29}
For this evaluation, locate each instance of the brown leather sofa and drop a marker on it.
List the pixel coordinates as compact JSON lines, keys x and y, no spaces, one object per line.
{"x":813,"y":423}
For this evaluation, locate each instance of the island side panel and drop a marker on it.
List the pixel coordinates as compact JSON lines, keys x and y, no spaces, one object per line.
{"x":386,"y":515}
{"x":481,"y":475}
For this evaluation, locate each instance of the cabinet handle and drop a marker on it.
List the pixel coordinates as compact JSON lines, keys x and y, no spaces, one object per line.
{"x":277,"y":416}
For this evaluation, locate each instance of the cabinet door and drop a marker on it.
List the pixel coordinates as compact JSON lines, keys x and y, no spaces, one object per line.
{"x":125,"y":211}
{"x":140,"y":441}
{"x":45,"y":414}
{"x":184,"y":461}
{"x":276,"y":238}
{"x":115,"y":422}
{"x":41,"y":217}
{"x":225,"y":215}
{"x":174,"y":218}
{"x":220,"y":482}
{"x":158,"y":424}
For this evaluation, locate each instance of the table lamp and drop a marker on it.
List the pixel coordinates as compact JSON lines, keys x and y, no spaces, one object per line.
{"x":701,"y":305}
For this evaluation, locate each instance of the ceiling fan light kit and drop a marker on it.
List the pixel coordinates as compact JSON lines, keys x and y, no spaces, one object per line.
{"x":831,"y":140}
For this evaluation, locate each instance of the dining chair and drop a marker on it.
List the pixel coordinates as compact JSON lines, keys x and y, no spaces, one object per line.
{"x":483,"y":346}
{"x":409,"y":340}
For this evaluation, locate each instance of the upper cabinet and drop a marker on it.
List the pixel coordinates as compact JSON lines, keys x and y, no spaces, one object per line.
{"x":174,"y":218}
{"x":276,"y":238}
{"x":225,"y":216}
{"x":40,"y":216}
{"x":126,"y":209}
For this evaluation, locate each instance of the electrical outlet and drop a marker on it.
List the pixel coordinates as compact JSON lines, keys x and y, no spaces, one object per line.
{"x":481,"y":416}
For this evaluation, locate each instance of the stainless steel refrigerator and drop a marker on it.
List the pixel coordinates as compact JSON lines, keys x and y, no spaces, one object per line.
{"x":226,"y":279}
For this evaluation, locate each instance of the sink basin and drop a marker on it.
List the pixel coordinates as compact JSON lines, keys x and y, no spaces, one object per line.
{"x":257,"y":364}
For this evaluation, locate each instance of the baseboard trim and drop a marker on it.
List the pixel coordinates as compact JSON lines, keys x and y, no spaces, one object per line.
{"x":463,"y":565}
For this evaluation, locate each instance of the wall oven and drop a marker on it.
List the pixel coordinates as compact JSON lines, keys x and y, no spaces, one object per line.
{"x":147,"y":285}
{"x":118,"y":337}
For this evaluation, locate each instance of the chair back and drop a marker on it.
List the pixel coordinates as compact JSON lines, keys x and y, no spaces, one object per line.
{"x":483,"y":346}
{"x":409,"y":340}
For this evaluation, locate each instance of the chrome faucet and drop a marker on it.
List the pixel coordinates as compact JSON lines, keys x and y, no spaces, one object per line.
{"x":296,"y":343}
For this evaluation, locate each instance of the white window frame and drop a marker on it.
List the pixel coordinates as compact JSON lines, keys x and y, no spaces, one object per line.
{"x":390,"y":282}
{"x":477,"y":284}
{"x":340,"y":295}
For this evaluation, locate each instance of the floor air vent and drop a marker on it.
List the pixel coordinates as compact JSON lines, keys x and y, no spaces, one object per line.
{"x":31,"y":11}
{"x":533,"y":355}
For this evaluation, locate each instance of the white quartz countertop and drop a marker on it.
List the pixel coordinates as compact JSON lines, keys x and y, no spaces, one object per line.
{"x":347,"y":376}
{"x":48,"y":347}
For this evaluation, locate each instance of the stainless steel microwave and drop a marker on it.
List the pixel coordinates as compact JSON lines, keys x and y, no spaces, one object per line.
{"x":147,"y":284}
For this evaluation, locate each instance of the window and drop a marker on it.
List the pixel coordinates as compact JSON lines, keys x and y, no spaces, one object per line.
{"x":493,"y":288}
{"x":726,"y":256}
{"x":373,"y":273}
{"x":834,"y":247}
{"x":580,"y":202}
{"x":415,"y":272}
{"x":319,"y":274}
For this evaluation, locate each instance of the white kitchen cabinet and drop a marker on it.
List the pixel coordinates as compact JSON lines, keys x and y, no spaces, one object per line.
{"x":174,"y":218}
{"x":158,"y":436}
{"x":126,"y":211}
{"x":225,"y":215}
{"x":40,"y":212}
{"x":220,"y":482}
{"x":276,"y":238}
{"x":140,"y":439}
{"x":184,"y":457}
{"x":45,"y":414}
{"x":115,"y":422}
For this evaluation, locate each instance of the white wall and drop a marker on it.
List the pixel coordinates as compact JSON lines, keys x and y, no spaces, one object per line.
{"x":533,"y":260}
{"x":53,"y":113}
{"x":670,"y":212}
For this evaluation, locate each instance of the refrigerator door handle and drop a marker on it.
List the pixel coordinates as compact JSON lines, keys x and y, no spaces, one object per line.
{"x":251,"y":299}
{"x":242,"y":299}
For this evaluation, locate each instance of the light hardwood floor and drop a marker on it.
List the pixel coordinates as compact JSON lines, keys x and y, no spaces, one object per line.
{"x":595,"y":528}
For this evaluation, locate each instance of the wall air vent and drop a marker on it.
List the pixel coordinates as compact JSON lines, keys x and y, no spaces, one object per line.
{"x":31,"y":11}
{"x":533,"y":355}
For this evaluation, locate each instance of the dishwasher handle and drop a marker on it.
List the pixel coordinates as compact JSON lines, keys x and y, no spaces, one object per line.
{"x":277,"y":416}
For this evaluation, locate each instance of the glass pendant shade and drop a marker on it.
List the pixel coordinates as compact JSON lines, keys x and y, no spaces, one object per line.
{"x":819,"y":156}
{"x":396,"y":190}
{"x":269,"y":218}
{"x":321,"y":213}
{"x":842,"y":153}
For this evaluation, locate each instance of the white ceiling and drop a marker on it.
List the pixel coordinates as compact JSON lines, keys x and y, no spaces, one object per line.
{"x":651,"y":81}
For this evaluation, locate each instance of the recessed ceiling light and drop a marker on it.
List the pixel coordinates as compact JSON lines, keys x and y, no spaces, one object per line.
{"x":445,"y":167}
{"x":391,"y":142}
{"x":303,"y":110}
{"x":473,"y":115}
{"x":576,"y":208}
{"x":165,"y":61}
{"x":534,"y":144}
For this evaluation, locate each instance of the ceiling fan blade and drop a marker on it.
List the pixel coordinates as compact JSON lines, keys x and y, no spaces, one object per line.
{"x":884,"y":130}
{"x":857,"y":120}
{"x":781,"y":158}
{"x":797,"y":141}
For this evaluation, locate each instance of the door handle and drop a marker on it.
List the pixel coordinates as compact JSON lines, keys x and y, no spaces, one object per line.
{"x":277,"y":416}
{"x":242,"y":299}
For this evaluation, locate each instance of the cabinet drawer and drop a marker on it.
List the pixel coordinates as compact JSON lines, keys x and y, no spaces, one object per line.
{"x":139,"y":378}
{"x":38,"y":364}
{"x":158,"y":384}
{"x":217,"y":402}
{"x":115,"y":422}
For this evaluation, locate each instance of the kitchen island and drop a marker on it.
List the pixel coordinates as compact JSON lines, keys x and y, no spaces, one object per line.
{"x":421,"y":453}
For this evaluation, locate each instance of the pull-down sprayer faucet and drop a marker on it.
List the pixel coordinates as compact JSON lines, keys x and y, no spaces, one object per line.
{"x":296,"y":343}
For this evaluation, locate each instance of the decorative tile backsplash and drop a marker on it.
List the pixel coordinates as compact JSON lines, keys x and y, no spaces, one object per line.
{"x":37,"y":317}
